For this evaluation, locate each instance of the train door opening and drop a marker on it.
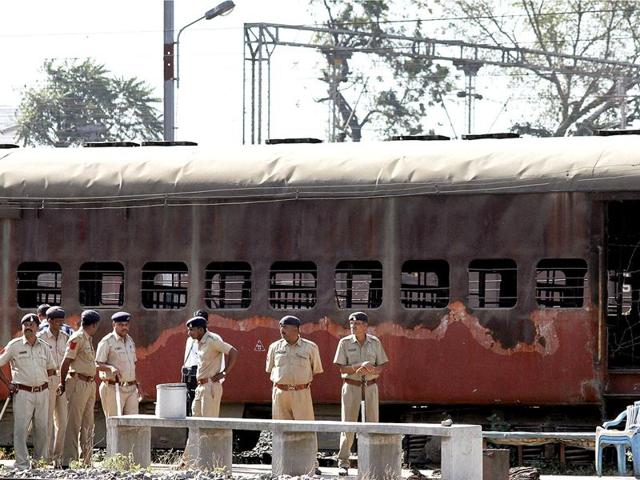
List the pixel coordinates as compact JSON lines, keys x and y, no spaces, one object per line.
{"x":623,"y":290}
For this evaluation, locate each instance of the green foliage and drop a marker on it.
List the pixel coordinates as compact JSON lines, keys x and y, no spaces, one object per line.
{"x":121,"y":463}
{"x":388,"y":87}
{"x":562,"y":101}
{"x":81,"y":101}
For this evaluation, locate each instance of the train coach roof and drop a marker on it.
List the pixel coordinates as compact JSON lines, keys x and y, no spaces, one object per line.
{"x":176,"y":175}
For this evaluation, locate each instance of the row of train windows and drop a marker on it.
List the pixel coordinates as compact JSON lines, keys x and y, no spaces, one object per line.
{"x":492,"y":283}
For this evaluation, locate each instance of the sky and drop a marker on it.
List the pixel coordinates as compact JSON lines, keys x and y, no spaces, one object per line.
{"x":127,"y":37}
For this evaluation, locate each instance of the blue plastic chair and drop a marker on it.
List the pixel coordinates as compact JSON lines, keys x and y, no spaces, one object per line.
{"x":620,"y":439}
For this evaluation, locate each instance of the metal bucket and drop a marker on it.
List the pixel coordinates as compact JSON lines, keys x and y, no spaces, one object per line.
{"x":171,"y":400}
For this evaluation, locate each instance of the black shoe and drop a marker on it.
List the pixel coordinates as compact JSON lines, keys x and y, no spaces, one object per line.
{"x":343,"y":471}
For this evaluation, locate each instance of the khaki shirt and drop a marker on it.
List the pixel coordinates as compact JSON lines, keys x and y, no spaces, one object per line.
{"x":211,"y":350}
{"x":293,"y":364}
{"x":29,"y":363}
{"x":120,"y":353}
{"x":80,"y":350}
{"x":350,"y":352}
{"x":57,"y":345}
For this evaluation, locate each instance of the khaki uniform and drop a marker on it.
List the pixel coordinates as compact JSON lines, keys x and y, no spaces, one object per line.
{"x":211,"y":351}
{"x":350,"y":352}
{"x":81,"y":394}
{"x":120,"y":353}
{"x":58,"y":407}
{"x":293,"y":367}
{"x":29,"y":365}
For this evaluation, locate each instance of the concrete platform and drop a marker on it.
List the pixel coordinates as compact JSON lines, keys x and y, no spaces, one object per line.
{"x":242,"y":470}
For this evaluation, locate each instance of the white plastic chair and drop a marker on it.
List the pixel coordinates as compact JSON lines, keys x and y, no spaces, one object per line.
{"x":620,"y":439}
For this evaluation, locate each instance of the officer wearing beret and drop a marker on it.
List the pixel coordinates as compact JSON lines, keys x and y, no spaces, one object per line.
{"x":360,"y":357}
{"x":80,"y":364}
{"x":44,"y":321}
{"x":31,"y":363}
{"x":57,"y":339}
{"x":210,"y":374}
{"x":190,"y":363}
{"x":116,"y":353}
{"x":292,"y":363}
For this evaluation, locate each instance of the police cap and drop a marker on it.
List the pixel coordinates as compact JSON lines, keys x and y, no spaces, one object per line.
{"x":89,"y":317}
{"x":42,"y":309}
{"x":29,"y":317}
{"x":197,"y":322}
{"x":202,"y":313}
{"x":121,"y":317}
{"x":55,"y":312}
{"x":359,"y":316}
{"x":290,"y":320}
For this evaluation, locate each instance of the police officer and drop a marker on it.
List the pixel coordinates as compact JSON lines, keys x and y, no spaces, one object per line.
{"x":44,"y":321}
{"x":80,"y":363}
{"x":292,"y":363}
{"x":360,"y":357}
{"x":31,"y":363}
{"x":117,"y":354}
{"x":57,"y":339}
{"x":41,"y":312}
{"x":190,"y":364}
{"x":210,"y":350}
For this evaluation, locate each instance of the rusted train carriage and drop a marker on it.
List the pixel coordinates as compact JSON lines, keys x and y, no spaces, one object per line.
{"x":499,"y":274}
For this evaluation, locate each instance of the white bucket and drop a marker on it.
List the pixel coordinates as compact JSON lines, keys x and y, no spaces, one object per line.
{"x":171,"y":400}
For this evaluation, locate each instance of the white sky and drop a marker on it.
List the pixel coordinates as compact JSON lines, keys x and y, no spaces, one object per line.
{"x":127,"y":36}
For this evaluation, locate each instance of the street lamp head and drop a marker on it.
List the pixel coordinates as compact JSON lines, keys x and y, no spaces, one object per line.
{"x":223,"y":9}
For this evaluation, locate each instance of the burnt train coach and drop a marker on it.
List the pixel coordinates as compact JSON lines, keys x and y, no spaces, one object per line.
{"x":500,"y":275}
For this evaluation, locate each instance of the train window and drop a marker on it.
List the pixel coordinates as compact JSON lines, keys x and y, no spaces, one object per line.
{"x":358,"y":284}
{"x":293,"y":285}
{"x":38,"y":283}
{"x":493,"y":283}
{"x":424,"y":284}
{"x":560,"y":282}
{"x":228,"y":285}
{"x":164,"y":285}
{"x":101,"y":284}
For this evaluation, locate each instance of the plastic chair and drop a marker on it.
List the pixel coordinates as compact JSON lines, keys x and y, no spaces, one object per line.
{"x":620,"y":439}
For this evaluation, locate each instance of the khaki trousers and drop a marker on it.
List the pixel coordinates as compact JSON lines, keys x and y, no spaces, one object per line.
{"x":351,"y":398}
{"x":78,"y":440}
{"x":206,"y":402}
{"x":58,"y":410}
{"x":30,"y":407}
{"x":293,"y":405}
{"x":128,"y":399}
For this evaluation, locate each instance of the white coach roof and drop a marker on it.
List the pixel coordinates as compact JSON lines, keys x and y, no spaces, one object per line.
{"x":177,"y":175}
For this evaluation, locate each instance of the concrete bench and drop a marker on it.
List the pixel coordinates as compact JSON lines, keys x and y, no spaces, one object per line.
{"x":294,"y":443}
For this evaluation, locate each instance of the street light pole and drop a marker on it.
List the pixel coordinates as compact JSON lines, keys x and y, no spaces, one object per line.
{"x":169,"y":98}
{"x":172,"y":81}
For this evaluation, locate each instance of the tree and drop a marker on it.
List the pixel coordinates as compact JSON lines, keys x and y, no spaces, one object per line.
{"x":568,"y":103}
{"x":394,"y":99}
{"x":80,"y":101}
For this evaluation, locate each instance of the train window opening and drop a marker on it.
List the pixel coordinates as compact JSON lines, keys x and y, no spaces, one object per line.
{"x":228,"y":285}
{"x":424,"y":284}
{"x":38,"y":283}
{"x":293,"y":285}
{"x":101,"y":284}
{"x":623,"y":284}
{"x":164,"y":285}
{"x":561,"y":282}
{"x":358,"y":284}
{"x":493,"y":283}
